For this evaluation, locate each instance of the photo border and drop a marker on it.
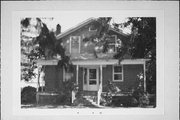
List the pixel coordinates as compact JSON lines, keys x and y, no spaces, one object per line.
{"x":15,"y":49}
{"x":159,"y":109}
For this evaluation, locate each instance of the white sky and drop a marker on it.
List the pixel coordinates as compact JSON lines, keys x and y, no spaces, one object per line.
{"x":68,"y":19}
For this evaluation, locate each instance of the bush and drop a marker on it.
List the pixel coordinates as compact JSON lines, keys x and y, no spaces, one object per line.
{"x":65,"y":93}
{"x":141,"y":97}
{"x":106,"y":99}
{"x":28,"y":95}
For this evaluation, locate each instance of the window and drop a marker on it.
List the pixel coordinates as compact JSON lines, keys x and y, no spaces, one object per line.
{"x":112,"y":41}
{"x":92,"y":28}
{"x":85,"y":75}
{"x":75,"y":44}
{"x":92,"y":77}
{"x":118,"y":73}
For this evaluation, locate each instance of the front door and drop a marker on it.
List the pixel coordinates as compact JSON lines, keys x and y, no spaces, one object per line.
{"x":90,"y":79}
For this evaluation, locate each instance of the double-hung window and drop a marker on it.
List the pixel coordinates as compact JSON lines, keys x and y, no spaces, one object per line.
{"x":112,"y":43}
{"x":118,"y":73}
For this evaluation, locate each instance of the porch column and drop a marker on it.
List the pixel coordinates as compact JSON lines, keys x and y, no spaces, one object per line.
{"x":144,"y":77}
{"x":77,"y":74}
{"x":38,"y":79}
{"x":38,"y":84}
{"x":100,"y":86}
{"x":101,"y":77}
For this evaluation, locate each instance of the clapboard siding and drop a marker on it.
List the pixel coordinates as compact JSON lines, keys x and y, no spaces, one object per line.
{"x":53,"y":77}
{"x":130,"y":78}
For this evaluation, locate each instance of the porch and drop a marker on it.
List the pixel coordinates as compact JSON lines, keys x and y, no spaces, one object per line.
{"x":90,"y":75}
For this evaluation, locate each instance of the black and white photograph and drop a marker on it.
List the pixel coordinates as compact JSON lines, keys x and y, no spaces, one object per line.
{"x":95,"y":62}
{"x":89,"y":60}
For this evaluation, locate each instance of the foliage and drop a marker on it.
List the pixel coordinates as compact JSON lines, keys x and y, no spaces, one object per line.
{"x":43,"y":46}
{"x":64,"y":92}
{"x":142,"y":45}
{"x":28,"y":95}
{"x":139,"y":96}
{"x":106,"y":99}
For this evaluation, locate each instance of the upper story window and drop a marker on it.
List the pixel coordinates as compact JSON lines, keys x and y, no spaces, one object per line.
{"x":92,"y":28}
{"x":113,"y":43}
{"x":118,"y":73}
{"x":75,"y":42}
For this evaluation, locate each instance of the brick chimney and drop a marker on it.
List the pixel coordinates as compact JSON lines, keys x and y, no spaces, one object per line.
{"x":58,"y":29}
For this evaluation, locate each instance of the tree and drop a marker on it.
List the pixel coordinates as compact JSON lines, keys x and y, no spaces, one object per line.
{"x":143,"y":45}
{"x":37,"y":42}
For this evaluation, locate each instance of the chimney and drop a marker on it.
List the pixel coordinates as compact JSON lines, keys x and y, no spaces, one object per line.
{"x":58,"y":29}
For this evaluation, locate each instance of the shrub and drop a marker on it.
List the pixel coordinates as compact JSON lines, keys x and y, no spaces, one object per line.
{"x":65,"y":92}
{"x":28,"y":95}
{"x":141,"y":97}
{"x":106,"y":99}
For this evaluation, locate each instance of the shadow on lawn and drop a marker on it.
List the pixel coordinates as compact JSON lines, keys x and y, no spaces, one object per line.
{"x":56,"y":106}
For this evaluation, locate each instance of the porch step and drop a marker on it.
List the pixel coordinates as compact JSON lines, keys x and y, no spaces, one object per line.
{"x":89,"y":93}
{"x":93,"y":100}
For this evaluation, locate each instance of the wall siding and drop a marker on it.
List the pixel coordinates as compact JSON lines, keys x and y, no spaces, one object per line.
{"x":80,"y":79}
{"x":84,"y":31}
{"x":53,"y":77}
{"x":130,"y":73}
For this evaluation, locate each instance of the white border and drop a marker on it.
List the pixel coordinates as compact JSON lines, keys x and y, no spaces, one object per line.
{"x":69,"y":111}
{"x":169,"y":36}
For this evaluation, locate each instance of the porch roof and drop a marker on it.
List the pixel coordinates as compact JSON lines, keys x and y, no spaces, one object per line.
{"x":96,"y":62}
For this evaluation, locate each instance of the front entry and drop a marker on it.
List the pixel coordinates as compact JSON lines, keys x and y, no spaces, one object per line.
{"x":90,"y":79}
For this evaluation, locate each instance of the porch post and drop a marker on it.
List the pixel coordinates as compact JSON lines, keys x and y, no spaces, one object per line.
{"x":144,"y":76}
{"x":101,"y":77}
{"x":100,"y":86}
{"x":77,"y":72}
{"x":38,"y":84}
{"x":38,"y":79}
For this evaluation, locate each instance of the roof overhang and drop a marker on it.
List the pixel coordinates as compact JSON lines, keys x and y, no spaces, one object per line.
{"x":96,"y":62}
{"x":78,"y":26}
{"x":119,"y":32}
{"x":133,"y":61}
{"x":47,"y":62}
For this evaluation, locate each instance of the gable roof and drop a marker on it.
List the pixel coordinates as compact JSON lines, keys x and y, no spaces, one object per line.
{"x":86,"y":22}
{"x":118,"y":32}
{"x":75,"y":28}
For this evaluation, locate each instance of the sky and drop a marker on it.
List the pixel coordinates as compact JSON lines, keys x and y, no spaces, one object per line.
{"x":70,"y":19}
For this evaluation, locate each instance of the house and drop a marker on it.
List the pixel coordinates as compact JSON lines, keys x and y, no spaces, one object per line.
{"x":93,"y":68}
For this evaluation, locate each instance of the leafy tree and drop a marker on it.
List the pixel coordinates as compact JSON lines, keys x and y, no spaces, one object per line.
{"x":143,"y":45}
{"x":37,"y":42}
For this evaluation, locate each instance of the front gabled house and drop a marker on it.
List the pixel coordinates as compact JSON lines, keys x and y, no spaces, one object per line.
{"x":93,"y":69}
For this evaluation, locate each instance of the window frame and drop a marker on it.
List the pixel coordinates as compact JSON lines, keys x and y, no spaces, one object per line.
{"x":91,"y":30}
{"x":113,"y":73}
{"x":70,"y":39}
{"x":89,"y":79}
{"x":114,"y":44}
{"x":85,"y":77}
